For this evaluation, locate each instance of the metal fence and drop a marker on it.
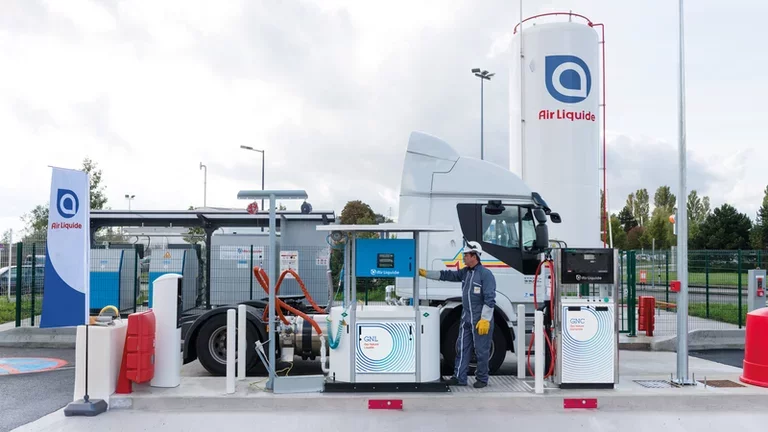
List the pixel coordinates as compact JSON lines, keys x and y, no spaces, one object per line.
{"x":114,"y":280}
{"x":717,"y":287}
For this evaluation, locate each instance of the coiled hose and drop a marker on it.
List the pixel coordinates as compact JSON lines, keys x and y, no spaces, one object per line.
{"x":263,"y":279}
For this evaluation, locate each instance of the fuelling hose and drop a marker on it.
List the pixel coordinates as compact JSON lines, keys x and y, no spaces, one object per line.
{"x":551,"y":311}
{"x":263,"y":280}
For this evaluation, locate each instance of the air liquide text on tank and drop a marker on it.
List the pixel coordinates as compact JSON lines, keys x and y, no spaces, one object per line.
{"x":555,"y":135}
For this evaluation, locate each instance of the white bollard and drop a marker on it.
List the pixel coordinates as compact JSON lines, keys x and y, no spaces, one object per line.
{"x":538,"y":334}
{"x":241,"y":349}
{"x":231,"y":351}
{"x":520,"y":341}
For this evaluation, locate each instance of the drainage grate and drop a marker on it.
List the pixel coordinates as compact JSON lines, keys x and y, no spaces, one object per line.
{"x":497,"y":384}
{"x":654,"y":383}
{"x":721,"y":383}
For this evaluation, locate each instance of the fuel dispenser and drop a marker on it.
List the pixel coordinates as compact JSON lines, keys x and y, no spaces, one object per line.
{"x":585,"y":322}
{"x":756,"y":298}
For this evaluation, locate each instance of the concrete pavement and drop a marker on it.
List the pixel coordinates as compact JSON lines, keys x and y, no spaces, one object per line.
{"x":471,"y":418}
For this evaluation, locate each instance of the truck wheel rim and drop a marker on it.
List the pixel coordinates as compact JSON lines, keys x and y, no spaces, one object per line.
{"x":473,"y":359}
{"x":217,"y":345}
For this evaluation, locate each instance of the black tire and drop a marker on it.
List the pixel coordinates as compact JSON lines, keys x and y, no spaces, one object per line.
{"x":211,"y":345}
{"x":448,"y":350}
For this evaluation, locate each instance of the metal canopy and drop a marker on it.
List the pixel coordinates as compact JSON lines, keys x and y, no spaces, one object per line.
{"x":280,"y":194}
{"x":386,"y":228}
{"x":199,"y":218}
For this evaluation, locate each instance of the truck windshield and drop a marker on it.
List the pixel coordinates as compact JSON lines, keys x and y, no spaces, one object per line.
{"x":505,"y":228}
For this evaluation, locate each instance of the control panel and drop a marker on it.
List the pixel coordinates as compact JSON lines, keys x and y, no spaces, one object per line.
{"x":385,"y":258}
{"x":580,"y":266}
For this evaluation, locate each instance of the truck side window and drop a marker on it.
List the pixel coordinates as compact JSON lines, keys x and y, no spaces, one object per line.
{"x":502,"y":229}
{"x":529,"y":227}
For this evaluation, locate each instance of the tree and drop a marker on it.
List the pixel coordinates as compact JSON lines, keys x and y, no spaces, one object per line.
{"x":6,"y":237}
{"x":98,"y":198}
{"x":698,"y":210}
{"x":633,"y":237}
{"x":643,"y":206}
{"x":660,"y":230}
{"x":760,"y":230}
{"x":725,"y":228}
{"x":619,"y":236}
{"x":194,"y":235}
{"x":36,"y":222}
{"x":638,"y":205}
{"x":664,"y":201}
{"x":626,"y":219}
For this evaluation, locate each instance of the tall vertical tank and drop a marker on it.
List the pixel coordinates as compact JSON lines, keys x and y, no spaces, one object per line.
{"x":554,"y":127}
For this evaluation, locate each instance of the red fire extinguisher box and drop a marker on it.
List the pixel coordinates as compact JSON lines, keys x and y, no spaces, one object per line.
{"x":674,"y":286}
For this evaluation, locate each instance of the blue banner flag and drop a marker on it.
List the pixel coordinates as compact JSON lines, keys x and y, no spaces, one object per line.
{"x":68,"y":251}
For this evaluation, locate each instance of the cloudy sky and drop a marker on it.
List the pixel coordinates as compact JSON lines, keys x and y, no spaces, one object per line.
{"x":150,"y":89}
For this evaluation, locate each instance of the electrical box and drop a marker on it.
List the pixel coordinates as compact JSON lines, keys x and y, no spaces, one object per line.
{"x":385,"y":258}
{"x":756,"y":296}
{"x":587,"y":266}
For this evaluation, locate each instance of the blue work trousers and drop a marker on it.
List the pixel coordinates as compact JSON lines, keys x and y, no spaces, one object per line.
{"x":468,"y":337}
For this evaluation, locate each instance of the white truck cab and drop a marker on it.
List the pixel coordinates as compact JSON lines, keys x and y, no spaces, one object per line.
{"x":484,"y":202}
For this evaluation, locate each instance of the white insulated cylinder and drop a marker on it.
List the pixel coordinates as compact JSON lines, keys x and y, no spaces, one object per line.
{"x":166,"y":302}
{"x":538,"y":342}
{"x":520,"y":349}
{"x":231,"y":354}
{"x":555,"y":126}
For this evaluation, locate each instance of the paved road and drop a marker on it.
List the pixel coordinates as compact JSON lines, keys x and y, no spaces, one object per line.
{"x":468,"y":420}
{"x":733,"y":358}
{"x":27,"y":397}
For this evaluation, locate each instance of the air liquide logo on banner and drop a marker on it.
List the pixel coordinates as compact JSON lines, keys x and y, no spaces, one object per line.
{"x":67,"y":206}
{"x":568,"y":80}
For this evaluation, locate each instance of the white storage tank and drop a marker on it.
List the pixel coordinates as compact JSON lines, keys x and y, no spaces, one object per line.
{"x":554,"y":124}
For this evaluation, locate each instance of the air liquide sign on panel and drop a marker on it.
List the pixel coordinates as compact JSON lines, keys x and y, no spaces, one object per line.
{"x":568,"y":80}
{"x":67,"y":254}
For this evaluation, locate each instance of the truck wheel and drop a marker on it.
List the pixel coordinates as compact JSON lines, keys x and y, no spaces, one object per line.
{"x":448,"y":350}
{"x":212,"y":345}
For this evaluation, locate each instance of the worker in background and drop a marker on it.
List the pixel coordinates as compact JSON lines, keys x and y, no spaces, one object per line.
{"x":478,"y":298}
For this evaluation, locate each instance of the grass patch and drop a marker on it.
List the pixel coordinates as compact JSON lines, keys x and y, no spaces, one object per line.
{"x":699,"y":278}
{"x":727,"y":313}
{"x":8,"y":308}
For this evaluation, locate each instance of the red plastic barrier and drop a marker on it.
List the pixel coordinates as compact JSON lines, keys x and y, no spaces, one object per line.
{"x":650,"y":315}
{"x":755,"y":370}
{"x":138,"y":364}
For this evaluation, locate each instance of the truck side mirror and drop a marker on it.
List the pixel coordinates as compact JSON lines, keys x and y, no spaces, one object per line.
{"x":542,"y":237}
{"x":555,"y":217}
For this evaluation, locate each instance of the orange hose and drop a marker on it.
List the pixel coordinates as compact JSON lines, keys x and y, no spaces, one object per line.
{"x":263,"y":280}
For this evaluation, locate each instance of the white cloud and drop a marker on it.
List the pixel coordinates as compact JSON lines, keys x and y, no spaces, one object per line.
{"x":331,"y":90}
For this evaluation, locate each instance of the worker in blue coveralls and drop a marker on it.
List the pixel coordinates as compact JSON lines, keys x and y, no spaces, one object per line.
{"x":478,"y":298}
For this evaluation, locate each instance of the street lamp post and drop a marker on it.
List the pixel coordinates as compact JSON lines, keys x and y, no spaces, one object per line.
{"x":129,"y":198}
{"x":483,"y":75}
{"x":262,"y":167}
{"x":205,"y":183}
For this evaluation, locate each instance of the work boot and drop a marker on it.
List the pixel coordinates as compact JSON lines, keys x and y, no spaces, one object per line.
{"x":453,"y":381}
{"x":480,"y":384}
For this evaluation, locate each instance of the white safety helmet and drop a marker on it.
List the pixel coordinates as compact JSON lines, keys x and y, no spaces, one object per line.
{"x":474,"y":247}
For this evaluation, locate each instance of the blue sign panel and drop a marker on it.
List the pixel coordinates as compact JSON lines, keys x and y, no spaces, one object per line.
{"x":384,"y":258}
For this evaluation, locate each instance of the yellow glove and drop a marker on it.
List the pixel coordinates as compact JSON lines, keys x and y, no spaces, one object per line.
{"x":483,"y":326}
{"x":422,"y":272}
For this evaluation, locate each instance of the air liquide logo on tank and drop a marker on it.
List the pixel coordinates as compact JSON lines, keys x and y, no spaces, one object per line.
{"x":568,"y":80}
